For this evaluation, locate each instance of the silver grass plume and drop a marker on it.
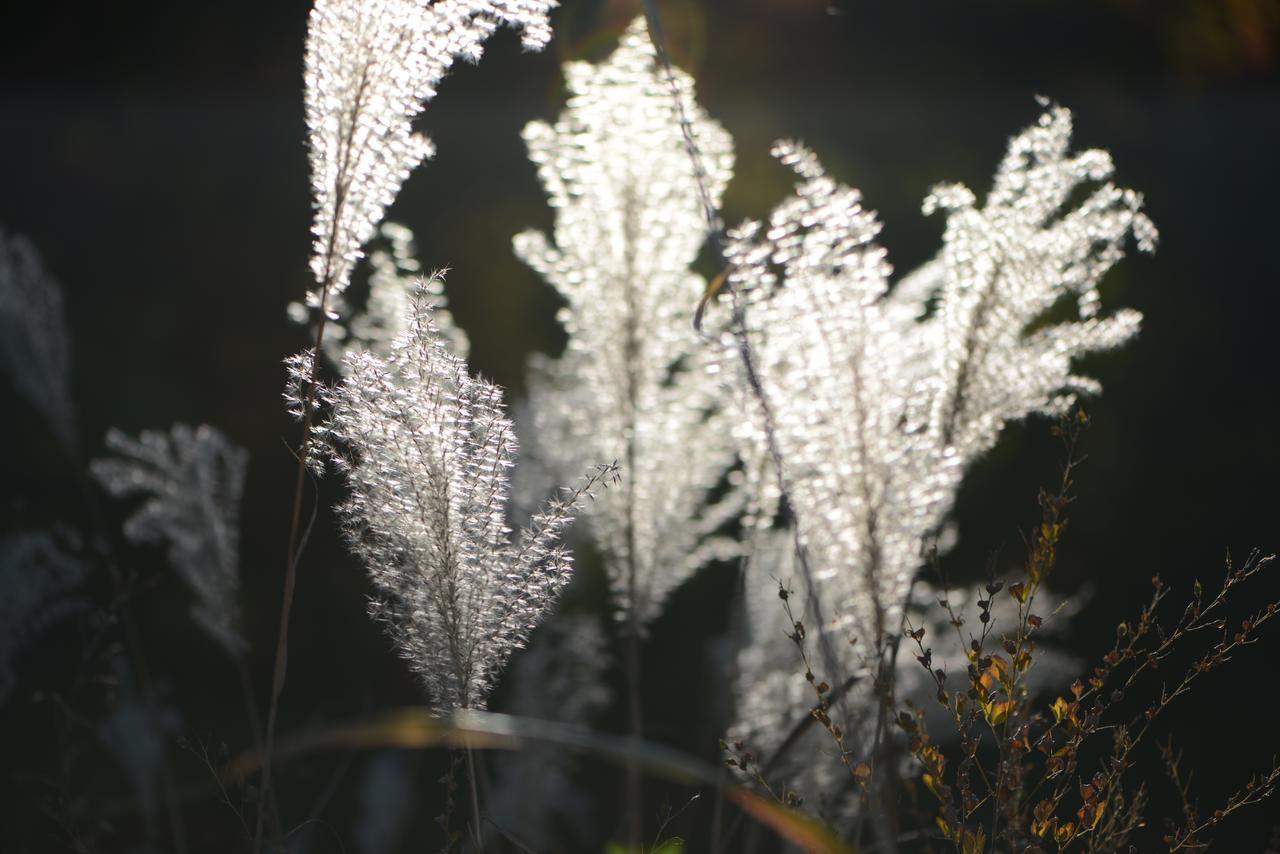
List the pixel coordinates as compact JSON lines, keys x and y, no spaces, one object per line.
{"x":191,"y":480}
{"x":370,"y":67}
{"x":633,"y":385}
{"x":879,"y":399}
{"x":41,"y":577}
{"x":426,"y":450}
{"x":33,"y":335}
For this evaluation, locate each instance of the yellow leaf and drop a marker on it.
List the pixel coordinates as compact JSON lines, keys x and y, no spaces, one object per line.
{"x":713,"y":288}
{"x":998,"y":713}
{"x":1022,"y":661}
{"x":997,"y":673}
{"x":1043,"y":828}
{"x":931,"y":783}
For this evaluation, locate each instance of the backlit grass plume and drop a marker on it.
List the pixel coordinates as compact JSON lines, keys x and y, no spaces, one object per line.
{"x":371,"y":65}
{"x":35,"y":350}
{"x":426,"y":450}
{"x":876,"y":400}
{"x":191,"y":481}
{"x":634,"y":384}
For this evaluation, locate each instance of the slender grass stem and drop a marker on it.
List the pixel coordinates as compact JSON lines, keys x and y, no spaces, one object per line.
{"x":475,"y":799}
{"x":635,"y":725}
{"x":294,"y":552}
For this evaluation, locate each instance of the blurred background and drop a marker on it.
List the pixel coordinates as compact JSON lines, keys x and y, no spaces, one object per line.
{"x":154,"y":153}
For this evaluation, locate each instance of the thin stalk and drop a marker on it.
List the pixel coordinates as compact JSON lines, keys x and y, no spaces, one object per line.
{"x":475,"y":798}
{"x":294,"y":553}
{"x":654,"y":22}
{"x":290,"y":583}
{"x":635,"y":725}
{"x":327,"y":280}
{"x":634,"y":806}
{"x":635,"y":717}
{"x":716,"y":227}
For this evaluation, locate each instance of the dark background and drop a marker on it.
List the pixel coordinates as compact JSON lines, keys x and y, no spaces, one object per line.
{"x":154,"y":153}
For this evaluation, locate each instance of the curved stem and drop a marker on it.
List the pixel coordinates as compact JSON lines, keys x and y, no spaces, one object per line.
{"x":291,"y":563}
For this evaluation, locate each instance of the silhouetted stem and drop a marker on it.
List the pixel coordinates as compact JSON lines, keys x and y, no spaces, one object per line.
{"x":291,"y":563}
{"x":635,"y":725}
{"x":475,"y":798}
